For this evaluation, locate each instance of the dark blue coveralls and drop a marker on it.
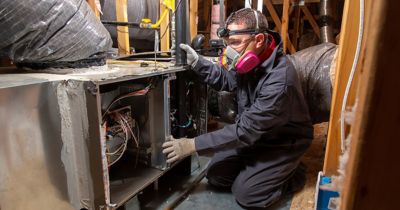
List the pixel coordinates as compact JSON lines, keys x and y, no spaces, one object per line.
{"x":257,"y":157}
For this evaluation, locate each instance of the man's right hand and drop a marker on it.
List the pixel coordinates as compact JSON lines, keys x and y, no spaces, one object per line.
{"x":177,"y":149}
{"x":191,"y":55}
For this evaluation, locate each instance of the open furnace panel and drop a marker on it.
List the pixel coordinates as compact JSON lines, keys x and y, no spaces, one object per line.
{"x":134,"y":123}
{"x":136,"y":118}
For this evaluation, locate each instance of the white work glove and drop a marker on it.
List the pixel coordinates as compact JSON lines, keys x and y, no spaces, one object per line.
{"x":177,"y":149}
{"x":191,"y":55}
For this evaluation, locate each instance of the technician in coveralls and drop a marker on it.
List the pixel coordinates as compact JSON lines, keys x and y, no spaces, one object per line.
{"x":258,"y":157}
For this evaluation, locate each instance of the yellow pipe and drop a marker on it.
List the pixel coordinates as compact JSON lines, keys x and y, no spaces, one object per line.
{"x":157,"y":24}
{"x":170,"y":5}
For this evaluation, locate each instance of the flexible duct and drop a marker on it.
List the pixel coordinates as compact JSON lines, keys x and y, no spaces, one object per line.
{"x":137,"y":10}
{"x":49,"y":33}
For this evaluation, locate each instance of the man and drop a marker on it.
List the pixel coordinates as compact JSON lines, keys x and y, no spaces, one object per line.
{"x":257,"y":157}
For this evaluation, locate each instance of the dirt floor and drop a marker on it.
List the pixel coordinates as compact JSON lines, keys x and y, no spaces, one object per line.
{"x":313,"y":159}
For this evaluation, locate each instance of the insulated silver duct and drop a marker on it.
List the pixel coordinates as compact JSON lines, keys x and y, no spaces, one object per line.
{"x":326,"y":21}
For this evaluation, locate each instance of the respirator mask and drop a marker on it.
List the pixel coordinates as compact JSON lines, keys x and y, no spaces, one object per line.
{"x":243,"y":61}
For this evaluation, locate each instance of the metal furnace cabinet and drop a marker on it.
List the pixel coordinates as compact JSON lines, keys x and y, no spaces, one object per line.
{"x":53,"y":142}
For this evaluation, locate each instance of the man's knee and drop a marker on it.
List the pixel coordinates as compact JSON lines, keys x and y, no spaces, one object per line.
{"x":219,"y":180}
{"x":222,"y":175}
{"x":255,"y":196}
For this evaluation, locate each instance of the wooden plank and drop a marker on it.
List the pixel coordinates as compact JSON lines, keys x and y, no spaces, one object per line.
{"x":122,"y":31}
{"x":372,"y":172}
{"x":277,"y":22}
{"x":92,"y":4}
{"x":207,"y":7}
{"x":285,"y":24}
{"x":343,"y":67}
{"x":164,"y":30}
{"x":193,"y":18}
{"x":311,"y":20}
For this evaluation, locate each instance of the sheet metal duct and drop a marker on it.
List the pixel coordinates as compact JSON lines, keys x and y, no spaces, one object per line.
{"x":326,"y":21}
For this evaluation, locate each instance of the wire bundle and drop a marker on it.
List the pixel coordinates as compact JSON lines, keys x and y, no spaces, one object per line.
{"x":123,"y":127}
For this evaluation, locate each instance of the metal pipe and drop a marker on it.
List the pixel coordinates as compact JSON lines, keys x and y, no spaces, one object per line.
{"x":181,"y":32}
{"x":326,"y":21}
{"x":129,"y":24}
{"x":221,"y":13}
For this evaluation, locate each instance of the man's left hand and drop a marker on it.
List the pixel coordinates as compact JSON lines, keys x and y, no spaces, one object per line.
{"x":177,"y":149}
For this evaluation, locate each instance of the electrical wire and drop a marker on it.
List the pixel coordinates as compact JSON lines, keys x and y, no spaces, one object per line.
{"x":120,"y":147}
{"x":131,"y":94}
{"x":189,"y":122}
{"x":351,"y":77}
{"x":138,"y":139}
{"x":124,"y":144}
{"x":129,"y":129}
{"x":126,"y":128}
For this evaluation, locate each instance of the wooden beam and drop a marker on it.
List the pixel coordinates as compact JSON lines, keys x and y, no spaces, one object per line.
{"x":350,"y":23}
{"x":285,"y":24}
{"x":207,"y":7}
{"x":92,"y":4}
{"x":121,"y":12}
{"x":193,"y":18}
{"x":277,"y":22}
{"x":311,"y":20}
{"x":164,"y":30}
{"x":372,"y":172}
{"x":274,"y":15}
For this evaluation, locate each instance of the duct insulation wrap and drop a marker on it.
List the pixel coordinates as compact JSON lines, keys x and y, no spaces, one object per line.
{"x":313,"y":65}
{"x":137,"y":10}
{"x":52,"y":33}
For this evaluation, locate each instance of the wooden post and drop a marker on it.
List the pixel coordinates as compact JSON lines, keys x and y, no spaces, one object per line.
{"x":122,"y":31}
{"x":285,"y":24}
{"x":92,"y":4}
{"x":164,"y":30}
{"x":193,"y":18}
{"x":350,"y":25}
{"x":372,"y":172}
{"x":207,"y":7}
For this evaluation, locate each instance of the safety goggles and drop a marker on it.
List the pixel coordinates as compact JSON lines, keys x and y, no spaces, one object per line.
{"x":237,"y":43}
{"x":224,"y":32}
